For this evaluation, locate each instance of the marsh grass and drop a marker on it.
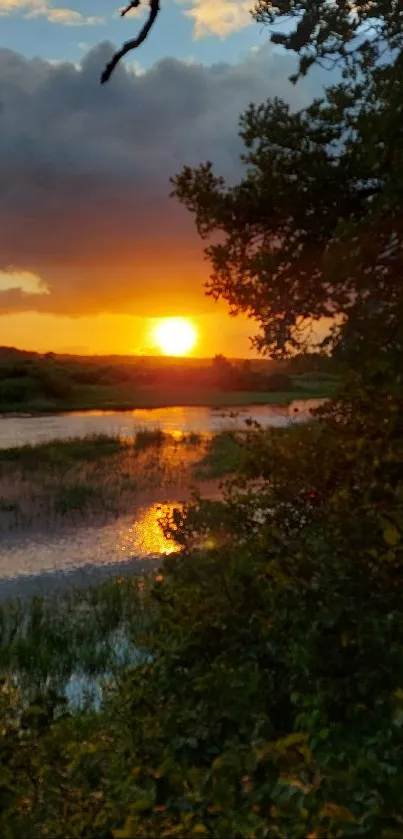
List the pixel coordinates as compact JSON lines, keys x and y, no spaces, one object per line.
{"x":62,"y":453}
{"x":223,"y":455}
{"x":150,"y":438}
{"x":79,"y":481}
{"x":78,"y":637}
{"x":77,"y":497}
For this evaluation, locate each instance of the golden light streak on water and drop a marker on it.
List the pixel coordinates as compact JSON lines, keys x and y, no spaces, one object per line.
{"x":146,"y":536}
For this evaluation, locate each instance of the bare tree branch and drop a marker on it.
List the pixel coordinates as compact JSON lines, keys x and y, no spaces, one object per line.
{"x":133,"y":44}
{"x":133,"y":5}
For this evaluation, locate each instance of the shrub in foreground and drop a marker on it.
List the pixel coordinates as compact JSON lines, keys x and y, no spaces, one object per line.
{"x":270,"y":703}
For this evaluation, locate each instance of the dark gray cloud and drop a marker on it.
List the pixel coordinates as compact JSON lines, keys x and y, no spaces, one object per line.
{"x":84,"y":173}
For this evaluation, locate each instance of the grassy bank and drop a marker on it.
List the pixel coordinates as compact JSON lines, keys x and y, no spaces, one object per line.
{"x":125,"y":399}
{"x":40,"y":384}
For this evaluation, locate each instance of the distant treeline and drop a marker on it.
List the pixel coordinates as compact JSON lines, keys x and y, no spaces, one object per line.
{"x":43,"y":381}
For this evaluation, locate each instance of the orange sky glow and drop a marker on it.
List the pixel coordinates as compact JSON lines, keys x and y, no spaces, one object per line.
{"x":106,"y":334}
{"x":93,"y":250}
{"x":105,"y":297}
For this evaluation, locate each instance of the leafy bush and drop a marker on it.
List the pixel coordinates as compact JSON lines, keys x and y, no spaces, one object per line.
{"x":224,"y":455}
{"x":270,"y":702}
{"x":318,"y":376}
{"x":18,"y":390}
{"x":280,"y":382}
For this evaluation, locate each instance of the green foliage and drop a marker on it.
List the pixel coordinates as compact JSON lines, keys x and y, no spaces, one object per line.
{"x":313,"y":228}
{"x":83,"y":633}
{"x":25,"y":381}
{"x":224,"y":455}
{"x":17,"y":391}
{"x":42,"y":384}
{"x":61,"y":453}
{"x":280,"y":382}
{"x":269,"y":701}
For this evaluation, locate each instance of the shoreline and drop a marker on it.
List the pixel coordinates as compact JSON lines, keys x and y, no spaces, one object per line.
{"x":47,"y":583}
{"x":231,"y":399}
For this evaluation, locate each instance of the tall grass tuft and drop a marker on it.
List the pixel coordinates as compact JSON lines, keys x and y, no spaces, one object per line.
{"x":79,"y":634}
{"x":149,"y":438}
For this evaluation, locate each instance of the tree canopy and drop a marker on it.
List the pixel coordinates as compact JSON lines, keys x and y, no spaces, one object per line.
{"x":313,"y":228}
{"x":351,"y":30}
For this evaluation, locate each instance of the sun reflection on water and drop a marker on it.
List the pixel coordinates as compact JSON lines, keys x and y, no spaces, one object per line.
{"x":145,"y":536}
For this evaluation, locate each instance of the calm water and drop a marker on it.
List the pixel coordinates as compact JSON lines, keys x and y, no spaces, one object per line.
{"x":17,"y":431}
{"x":46,"y":560}
{"x":72,"y":555}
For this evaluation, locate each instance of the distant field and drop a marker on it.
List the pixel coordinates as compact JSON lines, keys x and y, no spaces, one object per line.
{"x":120,"y":399}
{"x":36,"y":384}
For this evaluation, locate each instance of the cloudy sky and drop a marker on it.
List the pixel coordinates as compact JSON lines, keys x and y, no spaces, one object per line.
{"x":92,"y":248}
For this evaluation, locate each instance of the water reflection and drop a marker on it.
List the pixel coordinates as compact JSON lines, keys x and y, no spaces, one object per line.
{"x":130,"y":537}
{"x":133,"y":537}
{"x":16,"y":431}
{"x":146,"y":536}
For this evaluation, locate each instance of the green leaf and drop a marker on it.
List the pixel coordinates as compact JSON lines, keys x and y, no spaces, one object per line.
{"x":337,"y":812}
{"x":125,"y":832}
{"x":142,"y":804}
{"x":391,"y":535}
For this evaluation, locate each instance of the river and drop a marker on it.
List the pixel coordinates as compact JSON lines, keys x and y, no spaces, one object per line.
{"x":41,"y":561}
{"x":45,"y":561}
{"x":22,"y":430}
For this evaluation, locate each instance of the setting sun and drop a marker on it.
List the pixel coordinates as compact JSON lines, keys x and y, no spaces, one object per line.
{"x":175,"y":336}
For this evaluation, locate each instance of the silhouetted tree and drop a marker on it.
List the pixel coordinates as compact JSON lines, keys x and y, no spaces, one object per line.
{"x":350,"y":31}
{"x":314,"y":228}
